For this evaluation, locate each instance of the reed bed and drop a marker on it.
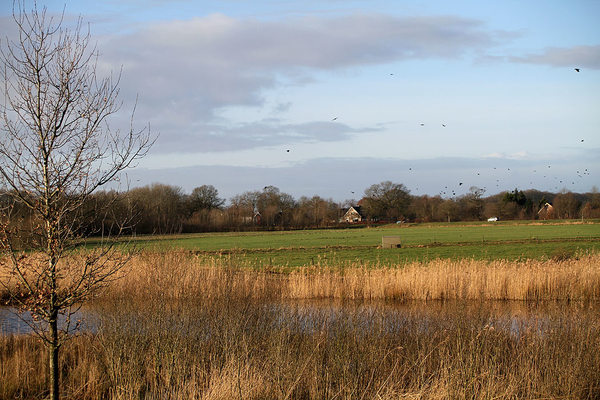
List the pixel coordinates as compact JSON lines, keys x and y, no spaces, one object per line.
{"x":178,"y":326}
{"x":179,"y":274}
{"x":183,"y":274}
{"x":573,"y":279}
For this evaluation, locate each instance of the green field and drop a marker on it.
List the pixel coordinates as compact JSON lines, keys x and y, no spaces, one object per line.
{"x":420,"y":242}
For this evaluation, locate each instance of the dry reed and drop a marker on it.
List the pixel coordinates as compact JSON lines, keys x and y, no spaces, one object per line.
{"x":179,"y":326}
{"x":573,"y":279}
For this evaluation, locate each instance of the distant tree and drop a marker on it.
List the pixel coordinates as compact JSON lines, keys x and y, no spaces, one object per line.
{"x":205,"y":197}
{"x":425,"y":208}
{"x":104,"y":210}
{"x":348,"y":203}
{"x":56,"y":150}
{"x":517,"y":197}
{"x":268,"y":206}
{"x":386,"y":201}
{"x":471,"y":204}
{"x":236,"y":212}
{"x":274,"y":206}
{"x":591,"y":207}
{"x":315,"y":212}
{"x":158,"y":208}
{"x":566,"y":206}
{"x":448,"y":211}
{"x":516,"y":204}
{"x":286,"y":206}
{"x":204,"y":210}
{"x":244,"y":207}
{"x":492,"y":209}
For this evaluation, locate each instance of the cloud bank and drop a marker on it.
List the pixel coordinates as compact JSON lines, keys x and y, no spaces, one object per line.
{"x":188,"y":71}
{"x":338,"y":178}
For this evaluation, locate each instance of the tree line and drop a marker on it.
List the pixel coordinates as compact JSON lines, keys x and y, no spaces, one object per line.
{"x":163,"y":209}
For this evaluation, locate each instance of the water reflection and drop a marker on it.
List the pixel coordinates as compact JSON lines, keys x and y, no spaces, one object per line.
{"x":20,"y":323}
{"x":316,"y":315}
{"x":515,"y":317}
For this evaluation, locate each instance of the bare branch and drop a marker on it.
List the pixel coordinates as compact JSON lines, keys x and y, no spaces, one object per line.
{"x":57,"y":149}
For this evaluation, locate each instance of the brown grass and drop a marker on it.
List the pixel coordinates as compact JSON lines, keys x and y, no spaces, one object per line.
{"x":183,"y":327}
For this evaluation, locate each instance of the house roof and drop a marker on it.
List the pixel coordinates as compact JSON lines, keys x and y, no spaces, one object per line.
{"x":356,"y":209}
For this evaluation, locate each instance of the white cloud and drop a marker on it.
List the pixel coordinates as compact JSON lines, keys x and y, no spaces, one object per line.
{"x":519,"y":155}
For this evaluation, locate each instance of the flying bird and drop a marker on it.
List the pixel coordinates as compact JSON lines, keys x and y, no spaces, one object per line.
{"x":422,"y":124}
{"x":334,"y":119}
{"x":444,"y":125}
{"x":288,"y":151}
{"x":577,"y":69}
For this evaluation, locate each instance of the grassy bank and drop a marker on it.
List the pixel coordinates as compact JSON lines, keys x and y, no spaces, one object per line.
{"x":420,"y":242}
{"x":182,"y":326}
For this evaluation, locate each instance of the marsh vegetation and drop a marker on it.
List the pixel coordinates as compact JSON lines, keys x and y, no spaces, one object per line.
{"x":184,"y":326}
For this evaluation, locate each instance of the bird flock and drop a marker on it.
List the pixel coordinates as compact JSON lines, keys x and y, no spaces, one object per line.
{"x":548,"y":181}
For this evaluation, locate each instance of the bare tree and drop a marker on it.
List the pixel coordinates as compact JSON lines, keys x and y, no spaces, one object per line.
{"x":56,"y":149}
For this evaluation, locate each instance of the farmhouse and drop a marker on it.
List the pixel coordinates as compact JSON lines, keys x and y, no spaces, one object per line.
{"x":546,"y":211}
{"x":352,"y":215}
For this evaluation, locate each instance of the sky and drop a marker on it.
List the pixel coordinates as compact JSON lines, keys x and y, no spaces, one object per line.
{"x":328,"y":97}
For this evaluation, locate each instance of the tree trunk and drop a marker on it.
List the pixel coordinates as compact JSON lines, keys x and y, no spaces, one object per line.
{"x":54,"y":346}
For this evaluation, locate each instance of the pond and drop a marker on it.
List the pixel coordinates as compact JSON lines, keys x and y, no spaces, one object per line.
{"x":311,"y":316}
{"x":12,"y":321}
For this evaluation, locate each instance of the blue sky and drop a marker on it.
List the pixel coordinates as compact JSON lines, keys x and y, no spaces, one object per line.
{"x":430,"y":94}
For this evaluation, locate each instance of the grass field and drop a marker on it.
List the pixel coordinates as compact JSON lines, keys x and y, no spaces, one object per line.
{"x":420,"y":242}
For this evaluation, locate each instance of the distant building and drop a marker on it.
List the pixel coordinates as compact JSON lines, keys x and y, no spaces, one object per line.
{"x":352,"y":215}
{"x":256,"y":219}
{"x":546,"y":211}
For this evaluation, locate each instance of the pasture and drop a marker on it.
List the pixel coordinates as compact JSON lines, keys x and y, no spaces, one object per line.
{"x":420,"y":242}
